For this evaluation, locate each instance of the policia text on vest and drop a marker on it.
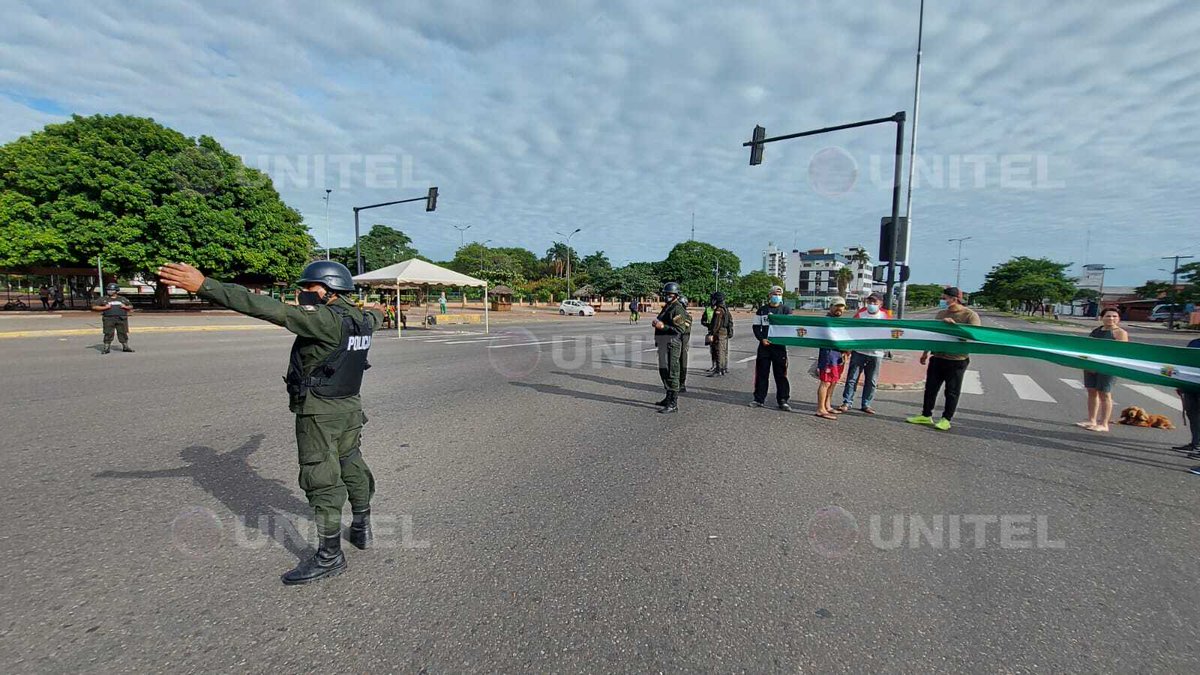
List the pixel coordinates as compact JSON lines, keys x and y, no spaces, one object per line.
{"x":324,"y":375}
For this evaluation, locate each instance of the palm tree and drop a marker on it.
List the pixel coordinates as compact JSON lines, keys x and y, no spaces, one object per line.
{"x":844,"y":276}
{"x":861,"y":257}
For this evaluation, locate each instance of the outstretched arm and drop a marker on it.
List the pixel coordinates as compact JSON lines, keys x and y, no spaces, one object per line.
{"x":311,"y":322}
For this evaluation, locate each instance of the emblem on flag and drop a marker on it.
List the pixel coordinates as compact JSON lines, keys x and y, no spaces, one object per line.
{"x":801,"y":331}
{"x":1168,"y":371}
{"x":897,"y":333}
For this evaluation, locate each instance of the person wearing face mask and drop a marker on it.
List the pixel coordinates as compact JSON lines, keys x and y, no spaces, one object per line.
{"x":945,"y":369}
{"x":672,"y":327}
{"x":829,"y":367}
{"x":770,"y":358}
{"x":324,"y":375}
{"x":866,"y":362}
{"x":115,"y":310}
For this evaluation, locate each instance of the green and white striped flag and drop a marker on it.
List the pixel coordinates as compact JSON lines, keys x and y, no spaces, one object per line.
{"x":1177,"y":367}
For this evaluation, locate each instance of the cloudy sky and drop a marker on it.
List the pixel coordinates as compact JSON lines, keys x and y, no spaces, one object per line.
{"x":1040,"y":121}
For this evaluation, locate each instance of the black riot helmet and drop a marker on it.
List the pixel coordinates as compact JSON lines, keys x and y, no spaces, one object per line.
{"x":670,"y":288}
{"x":111,"y":288}
{"x":716,"y":299}
{"x":330,"y":274}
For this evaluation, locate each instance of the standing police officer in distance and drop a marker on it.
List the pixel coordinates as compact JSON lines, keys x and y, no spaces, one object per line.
{"x":323,"y":379}
{"x":116,"y":309}
{"x":672,"y":326}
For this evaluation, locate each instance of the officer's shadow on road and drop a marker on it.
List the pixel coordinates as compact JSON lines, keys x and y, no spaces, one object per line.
{"x":256,"y":501}
{"x":727,"y":396}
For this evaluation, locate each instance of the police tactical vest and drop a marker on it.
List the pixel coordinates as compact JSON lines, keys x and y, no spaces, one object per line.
{"x":340,"y":374}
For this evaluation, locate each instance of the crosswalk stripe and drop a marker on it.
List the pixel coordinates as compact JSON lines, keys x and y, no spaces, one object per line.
{"x":971,"y":383}
{"x":748,"y":358}
{"x":1074,"y":384}
{"x":1027,"y":389}
{"x":525,"y":344}
{"x":1156,"y":394}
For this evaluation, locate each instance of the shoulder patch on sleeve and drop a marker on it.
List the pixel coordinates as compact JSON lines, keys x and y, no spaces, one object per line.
{"x":308,"y":308}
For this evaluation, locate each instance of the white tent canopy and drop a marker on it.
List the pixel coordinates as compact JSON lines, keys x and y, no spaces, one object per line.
{"x":416,"y":273}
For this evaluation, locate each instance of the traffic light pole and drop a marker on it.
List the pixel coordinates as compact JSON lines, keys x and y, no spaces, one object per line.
{"x":430,"y":204}
{"x":756,"y":158}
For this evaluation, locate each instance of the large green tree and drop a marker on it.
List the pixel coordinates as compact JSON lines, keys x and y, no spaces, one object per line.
{"x":922,"y":295}
{"x":137,"y":194}
{"x":494,"y":265}
{"x":1026,"y":282}
{"x":1153,"y":290}
{"x":699,"y":268}
{"x":752,"y":289}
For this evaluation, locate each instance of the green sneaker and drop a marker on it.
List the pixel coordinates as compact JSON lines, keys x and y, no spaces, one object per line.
{"x":920,"y":419}
{"x":942,"y":425}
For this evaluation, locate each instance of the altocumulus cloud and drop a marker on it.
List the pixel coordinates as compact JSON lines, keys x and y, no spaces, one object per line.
{"x":623,"y":117}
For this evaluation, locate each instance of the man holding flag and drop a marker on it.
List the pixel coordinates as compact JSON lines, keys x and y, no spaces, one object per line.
{"x":946,"y":369}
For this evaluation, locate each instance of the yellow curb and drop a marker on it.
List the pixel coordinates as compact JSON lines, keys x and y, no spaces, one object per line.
{"x":140,"y":329}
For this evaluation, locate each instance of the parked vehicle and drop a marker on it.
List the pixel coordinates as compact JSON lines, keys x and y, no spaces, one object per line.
{"x":576,"y":308}
{"x":1166,"y":312}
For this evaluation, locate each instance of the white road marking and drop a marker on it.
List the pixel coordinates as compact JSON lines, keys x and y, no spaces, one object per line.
{"x":1074,"y":384}
{"x":1159,"y":395}
{"x":1027,"y":389}
{"x":971,"y":383}
{"x":748,"y":358}
{"x":524,"y":344}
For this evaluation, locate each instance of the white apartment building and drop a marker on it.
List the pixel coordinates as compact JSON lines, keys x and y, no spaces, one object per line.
{"x":813,"y":273}
{"x":775,"y":261}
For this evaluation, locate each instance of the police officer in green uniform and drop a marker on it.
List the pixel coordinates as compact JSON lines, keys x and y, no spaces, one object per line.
{"x":115,"y":309}
{"x":324,"y":374}
{"x":670,"y":328}
{"x":685,"y":341}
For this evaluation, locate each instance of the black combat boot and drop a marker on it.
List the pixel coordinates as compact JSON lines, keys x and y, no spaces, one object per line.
{"x":125,"y":348}
{"x":672,"y":404}
{"x":360,"y":530}
{"x":664,"y":400}
{"x":106,"y":349}
{"x":328,"y":561}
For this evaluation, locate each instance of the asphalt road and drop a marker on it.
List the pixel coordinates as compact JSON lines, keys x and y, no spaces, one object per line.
{"x":542,"y":517}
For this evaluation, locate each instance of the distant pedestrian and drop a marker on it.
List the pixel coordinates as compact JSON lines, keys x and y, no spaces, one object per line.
{"x":634,"y":313}
{"x":1100,"y":385}
{"x":867,"y":362}
{"x":57,"y":294}
{"x":945,"y":369}
{"x":770,"y":358}
{"x":720,"y":330}
{"x":442,"y":302}
{"x":44,"y":296}
{"x":115,"y":311}
{"x":829,"y":367}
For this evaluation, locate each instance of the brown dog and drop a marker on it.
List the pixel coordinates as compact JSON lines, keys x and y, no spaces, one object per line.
{"x":1136,"y":417}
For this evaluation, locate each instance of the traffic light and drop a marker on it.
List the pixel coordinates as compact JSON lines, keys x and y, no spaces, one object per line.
{"x":431,"y":200}
{"x":756,"y":149}
{"x":885,"y":240}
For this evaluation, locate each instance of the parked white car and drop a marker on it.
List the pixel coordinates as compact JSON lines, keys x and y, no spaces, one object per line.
{"x":1165,"y":312}
{"x":576,"y":308}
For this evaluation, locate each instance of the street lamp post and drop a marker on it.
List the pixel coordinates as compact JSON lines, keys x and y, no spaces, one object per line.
{"x":461,"y":229}
{"x":568,"y":236}
{"x":1174,"y":294}
{"x":327,"y":191}
{"x":482,"y":250}
{"x":959,"y":259}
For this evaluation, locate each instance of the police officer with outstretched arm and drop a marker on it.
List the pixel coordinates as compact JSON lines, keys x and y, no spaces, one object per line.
{"x":323,"y":378}
{"x":671,"y":327}
{"x":115,"y":311}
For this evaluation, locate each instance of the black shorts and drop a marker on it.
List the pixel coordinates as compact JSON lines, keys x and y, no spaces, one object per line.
{"x":1098,"y":381}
